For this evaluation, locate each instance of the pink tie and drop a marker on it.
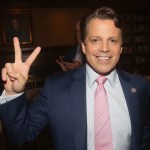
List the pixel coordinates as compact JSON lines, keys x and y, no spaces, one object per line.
{"x":102,"y":126}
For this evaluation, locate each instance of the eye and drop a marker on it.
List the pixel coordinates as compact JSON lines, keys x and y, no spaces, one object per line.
{"x":113,"y":41}
{"x":94,"y":40}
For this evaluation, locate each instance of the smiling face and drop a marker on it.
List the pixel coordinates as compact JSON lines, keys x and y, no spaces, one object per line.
{"x":102,"y":45}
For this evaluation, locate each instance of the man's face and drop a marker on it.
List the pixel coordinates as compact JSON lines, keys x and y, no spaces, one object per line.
{"x":102,"y":45}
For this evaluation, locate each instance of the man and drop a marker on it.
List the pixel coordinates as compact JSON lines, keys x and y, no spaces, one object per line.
{"x":66,"y":103}
{"x":74,"y":57}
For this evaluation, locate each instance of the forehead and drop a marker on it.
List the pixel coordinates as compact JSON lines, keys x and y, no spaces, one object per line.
{"x":96,"y":22}
{"x":102,"y":26}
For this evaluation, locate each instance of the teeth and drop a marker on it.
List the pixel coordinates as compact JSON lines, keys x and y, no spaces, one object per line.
{"x":103,"y":58}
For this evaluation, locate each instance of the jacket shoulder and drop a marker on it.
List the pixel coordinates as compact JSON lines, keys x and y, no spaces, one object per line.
{"x":132,"y":78}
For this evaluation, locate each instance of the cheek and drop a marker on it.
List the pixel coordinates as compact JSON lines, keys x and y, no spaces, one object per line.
{"x":88,"y":52}
{"x":85,"y":50}
{"x":117,"y":51}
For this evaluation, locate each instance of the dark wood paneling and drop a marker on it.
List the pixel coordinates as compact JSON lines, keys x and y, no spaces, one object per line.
{"x":122,"y":5}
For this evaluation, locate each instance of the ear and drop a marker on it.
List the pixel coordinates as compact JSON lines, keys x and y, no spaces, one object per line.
{"x":83,"y":47}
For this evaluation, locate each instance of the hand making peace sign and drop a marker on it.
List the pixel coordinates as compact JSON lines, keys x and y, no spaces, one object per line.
{"x":15,"y":75}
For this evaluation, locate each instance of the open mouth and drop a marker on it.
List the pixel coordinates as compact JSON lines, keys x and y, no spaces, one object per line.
{"x":103,"y":57}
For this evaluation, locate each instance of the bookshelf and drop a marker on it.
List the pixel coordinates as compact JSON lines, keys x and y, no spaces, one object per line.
{"x":135,"y":57}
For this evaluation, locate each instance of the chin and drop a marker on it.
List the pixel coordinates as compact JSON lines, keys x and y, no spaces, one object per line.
{"x":105,"y":72}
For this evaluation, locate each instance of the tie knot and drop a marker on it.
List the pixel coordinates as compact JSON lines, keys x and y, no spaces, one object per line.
{"x":101,"y":79}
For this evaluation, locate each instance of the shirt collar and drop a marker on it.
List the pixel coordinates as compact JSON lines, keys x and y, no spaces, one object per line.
{"x":92,"y":76}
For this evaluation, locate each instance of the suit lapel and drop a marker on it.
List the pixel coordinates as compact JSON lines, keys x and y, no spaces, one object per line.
{"x":78,"y":103}
{"x":131,"y":96}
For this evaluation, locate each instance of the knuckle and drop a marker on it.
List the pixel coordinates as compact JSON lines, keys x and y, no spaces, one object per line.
{"x":7,"y":64}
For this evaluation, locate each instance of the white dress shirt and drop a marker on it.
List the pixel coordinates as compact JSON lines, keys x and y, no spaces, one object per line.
{"x":5,"y":98}
{"x":119,"y":115}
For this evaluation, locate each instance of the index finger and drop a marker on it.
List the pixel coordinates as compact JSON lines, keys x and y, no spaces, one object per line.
{"x":17,"y":49}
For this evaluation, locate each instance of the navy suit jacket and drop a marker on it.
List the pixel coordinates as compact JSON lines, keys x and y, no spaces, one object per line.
{"x":61,"y":104}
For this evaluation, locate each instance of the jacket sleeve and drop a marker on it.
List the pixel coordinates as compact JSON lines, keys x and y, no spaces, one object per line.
{"x":23,"y":122}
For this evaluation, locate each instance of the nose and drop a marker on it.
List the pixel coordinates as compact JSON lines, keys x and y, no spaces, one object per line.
{"x":104,"y":46}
